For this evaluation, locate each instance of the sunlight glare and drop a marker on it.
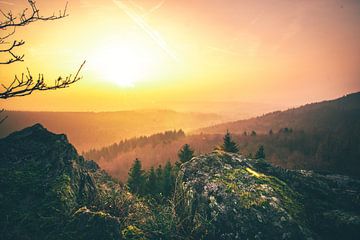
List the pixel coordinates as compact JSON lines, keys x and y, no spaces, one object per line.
{"x":123,"y":63}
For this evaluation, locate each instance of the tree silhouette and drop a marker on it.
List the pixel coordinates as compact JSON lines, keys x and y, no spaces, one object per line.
{"x":229,"y":145}
{"x":185,"y":153}
{"x":26,"y":84}
{"x":136,"y":178}
{"x":160,"y":180}
{"x":168,"y":180}
{"x":151,"y":182}
{"x":260,"y":154}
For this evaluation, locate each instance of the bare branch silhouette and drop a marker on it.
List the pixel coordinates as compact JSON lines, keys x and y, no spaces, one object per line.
{"x":26,"y":84}
{"x":24,"y":18}
{"x":27,"y":16}
{"x":13,"y":56}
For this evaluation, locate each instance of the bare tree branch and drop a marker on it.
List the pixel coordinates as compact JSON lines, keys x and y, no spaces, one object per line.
{"x":24,"y":18}
{"x":27,"y":16}
{"x":14,"y":57}
{"x":2,"y":38}
{"x":26,"y":84}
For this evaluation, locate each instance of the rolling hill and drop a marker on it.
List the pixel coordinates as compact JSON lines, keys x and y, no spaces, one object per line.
{"x":321,"y":136}
{"x":88,"y":129}
{"x":322,"y":116}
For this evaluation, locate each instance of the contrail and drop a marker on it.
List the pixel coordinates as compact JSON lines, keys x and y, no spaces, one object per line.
{"x":147,"y":28}
{"x":144,"y":12}
{"x":137,"y":6}
{"x":155,"y":8}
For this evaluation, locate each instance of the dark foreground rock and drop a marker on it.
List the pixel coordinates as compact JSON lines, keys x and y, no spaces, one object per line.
{"x":225,"y":196}
{"x":48,"y":191}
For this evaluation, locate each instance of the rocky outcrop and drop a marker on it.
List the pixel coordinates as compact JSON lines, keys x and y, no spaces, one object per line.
{"x":226,"y":196}
{"x":94,"y":225}
{"x":331,"y":202}
{"x":48,"y":191}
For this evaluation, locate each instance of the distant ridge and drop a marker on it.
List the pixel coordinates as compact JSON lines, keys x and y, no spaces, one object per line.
{"x":88,"y":130}
{"x":321,"y":116}
{"x":321,"y":136}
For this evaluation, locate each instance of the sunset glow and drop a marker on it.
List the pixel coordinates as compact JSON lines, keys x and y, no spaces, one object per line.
{"x":153,"y":53}
{"x":123,"y":63}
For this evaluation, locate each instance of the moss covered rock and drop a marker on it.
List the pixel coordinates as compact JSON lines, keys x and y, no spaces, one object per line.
{"x":226,"y":196}
{"x":48,"y":191}
{"x":88,"y":224}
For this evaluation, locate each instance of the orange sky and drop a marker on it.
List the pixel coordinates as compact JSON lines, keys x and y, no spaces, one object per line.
{"x":150,"y":54}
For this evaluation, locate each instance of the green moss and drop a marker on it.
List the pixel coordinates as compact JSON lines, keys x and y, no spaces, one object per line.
{"x":63,"y":191}
{"x":239,"y":181}
{"x":102,"y":214}
{"x":132,"y":232}
{"x":290,"y":199}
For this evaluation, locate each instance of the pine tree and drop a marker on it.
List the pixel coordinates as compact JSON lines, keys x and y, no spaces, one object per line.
{"x":159,"y":188}
{"x":136,"y":178}
{"x":168,"y":180}
{"x":151,"y":182}
{"x":185,"y":153}
{"x":229,"y":145}
{"x":260,"y":154}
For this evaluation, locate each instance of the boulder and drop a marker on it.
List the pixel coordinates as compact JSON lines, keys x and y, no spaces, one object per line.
{"x":226,"y":196}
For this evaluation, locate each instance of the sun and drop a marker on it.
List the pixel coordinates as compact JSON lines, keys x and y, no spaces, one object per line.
{"x":123,"y":63}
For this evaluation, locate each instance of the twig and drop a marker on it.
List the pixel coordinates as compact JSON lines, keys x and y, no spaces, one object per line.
{"x":26,"y":84}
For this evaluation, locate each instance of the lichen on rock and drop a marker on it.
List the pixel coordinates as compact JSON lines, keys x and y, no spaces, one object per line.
{"x":48,"y":191}
{"x":226,"y":196}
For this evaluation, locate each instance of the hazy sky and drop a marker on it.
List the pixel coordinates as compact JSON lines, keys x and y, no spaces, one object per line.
{"x":146,"y":53}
